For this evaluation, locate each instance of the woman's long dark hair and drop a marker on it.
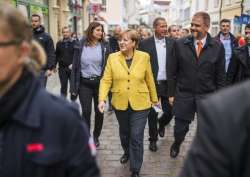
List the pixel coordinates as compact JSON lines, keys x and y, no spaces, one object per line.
{"x":89,"y":33}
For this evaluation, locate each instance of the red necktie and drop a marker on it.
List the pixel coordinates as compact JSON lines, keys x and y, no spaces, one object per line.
{"x":199,"y":48}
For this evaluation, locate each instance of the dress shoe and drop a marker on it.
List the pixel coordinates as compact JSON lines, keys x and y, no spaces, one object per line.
{"x":161,"y":131}
{"x":124,"y":159}
{"x":153,"y":146}
{"x":135,"y":174}
{"x":97,"y":142}
{"x":174,"y":150}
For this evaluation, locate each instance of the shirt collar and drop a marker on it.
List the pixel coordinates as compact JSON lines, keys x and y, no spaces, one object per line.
{"x":157,"y":40}
{"x":202,"y":40}
{"x":222,"y":37}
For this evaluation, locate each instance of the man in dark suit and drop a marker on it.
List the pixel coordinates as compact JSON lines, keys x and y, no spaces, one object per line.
{"x":197,"y":68}
{"x":160,"y":49}
{"x":239,"y":68}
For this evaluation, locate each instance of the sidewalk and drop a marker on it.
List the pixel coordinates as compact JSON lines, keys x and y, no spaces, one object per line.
{"x":156,"y":164}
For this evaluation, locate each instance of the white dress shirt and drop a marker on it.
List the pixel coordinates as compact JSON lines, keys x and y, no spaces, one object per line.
{"x":161,"y":56}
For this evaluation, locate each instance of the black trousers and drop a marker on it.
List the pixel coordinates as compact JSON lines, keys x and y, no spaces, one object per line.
{"x":180,"y":129}
{"x":131,"y":129}
{"x":64,"y":76}
{"x":89,"y":91}
{"x":167,"y":112}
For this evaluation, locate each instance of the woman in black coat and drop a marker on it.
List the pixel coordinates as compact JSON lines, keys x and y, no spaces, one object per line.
{"x":40,"y":134}
{"x":89,"y":60}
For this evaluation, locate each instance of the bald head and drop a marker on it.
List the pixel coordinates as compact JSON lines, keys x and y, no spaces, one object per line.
{"x":117,"y":31}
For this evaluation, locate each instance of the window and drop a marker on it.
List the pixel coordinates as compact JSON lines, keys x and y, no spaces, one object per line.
{"x":226,"y":2}
{"x":186,"y":13}
{"x":197,"y":5}
{"x":216,"y":3}
{"x":206,"y":4}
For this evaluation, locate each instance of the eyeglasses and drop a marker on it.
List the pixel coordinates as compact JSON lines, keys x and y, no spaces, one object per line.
{"x":9,"y":43}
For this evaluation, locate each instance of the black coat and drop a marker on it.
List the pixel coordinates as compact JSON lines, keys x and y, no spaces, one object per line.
{"x":76,"y":66}
{"x":190,"y":77}
{"x":64,"y":52}
{"x":148,"y":45}
{"x":46,"y":42}
{"x":234,"y":43}
{"x":239,"y":65}
{"x":113,"y":43}
{"x":221,"y":146}
{"x":45,"y":137}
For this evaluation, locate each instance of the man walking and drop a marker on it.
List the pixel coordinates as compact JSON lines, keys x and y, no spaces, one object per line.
{"x":227,"y":39}
{"x":47,"y":43}
{"x":197,"y":68}
{"x":239,"y":68}
{"x":64,"y":56}
{"x":160,"y":49}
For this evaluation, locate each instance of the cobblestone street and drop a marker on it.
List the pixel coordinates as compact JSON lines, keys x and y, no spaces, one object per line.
{"x":156,"y":164}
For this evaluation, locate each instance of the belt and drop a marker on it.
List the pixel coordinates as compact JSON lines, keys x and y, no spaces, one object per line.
{"x":92,"y":78}
{"x":162,"y":82}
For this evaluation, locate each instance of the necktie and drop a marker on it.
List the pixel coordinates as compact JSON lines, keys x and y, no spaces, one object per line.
{"x":199,"y":48}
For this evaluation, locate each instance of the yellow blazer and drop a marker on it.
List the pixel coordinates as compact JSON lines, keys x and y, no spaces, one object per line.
{"x":134,"y":85}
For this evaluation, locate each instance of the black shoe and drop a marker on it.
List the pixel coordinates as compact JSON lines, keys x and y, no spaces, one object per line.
{"x":161,"y":131}
{"x":124,"y":159}
{"x":153,"y":146}
{"x":135,"y":174}
{"x":97,"y":142}
{"x":174,"y":150}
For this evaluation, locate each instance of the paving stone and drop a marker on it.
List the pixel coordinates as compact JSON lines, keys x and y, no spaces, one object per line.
{"x":156,"y":164}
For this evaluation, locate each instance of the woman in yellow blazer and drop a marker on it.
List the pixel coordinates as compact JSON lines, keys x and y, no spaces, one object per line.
{"x":128,"y":74}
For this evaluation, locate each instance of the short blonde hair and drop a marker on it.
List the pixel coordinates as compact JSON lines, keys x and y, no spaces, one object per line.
{"x":133,"y":35}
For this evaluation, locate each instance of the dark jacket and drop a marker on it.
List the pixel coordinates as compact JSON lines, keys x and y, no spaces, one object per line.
{"x":234,"y":42}
{"x":46,"y":42}
{"x":113,"y":43}
{"x":221,"y":146}
{"x":76,"y":67}
{"x":44,"y":136}
{"x":189,"y":75}
{"x":148,"y":45}
{"x":239,"y":69}
{"x":64,"y":52}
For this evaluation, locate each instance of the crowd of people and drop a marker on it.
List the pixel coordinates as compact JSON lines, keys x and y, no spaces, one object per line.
{"x":137,"y":74}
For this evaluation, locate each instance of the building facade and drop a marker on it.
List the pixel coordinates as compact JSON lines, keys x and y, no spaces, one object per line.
{"x":55,"y":14}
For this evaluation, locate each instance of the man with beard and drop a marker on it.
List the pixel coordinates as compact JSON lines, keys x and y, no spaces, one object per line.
{"x":227,"y":39}
{"x":197,"y":68}
{"x":46,"y":42}
{"x":113,"y":40}
{"x":239,"y":68}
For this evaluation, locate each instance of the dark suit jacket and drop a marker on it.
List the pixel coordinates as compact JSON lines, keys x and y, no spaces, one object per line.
{"x":221,"y":146}
{"x":238,"y":66}
{"x":234,"y":44}
{"x":190,"y":77}
{"x":76,"y":66}
{"x":148,"y":45}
